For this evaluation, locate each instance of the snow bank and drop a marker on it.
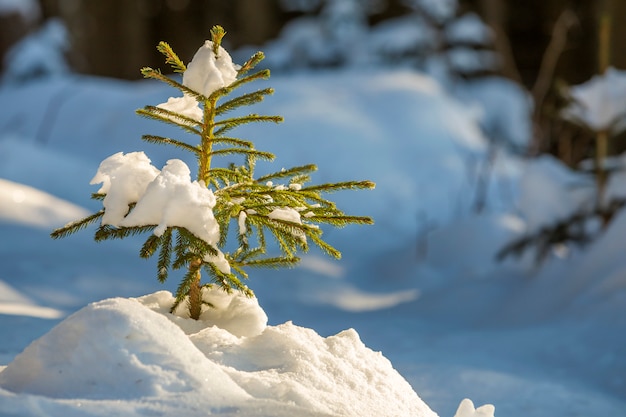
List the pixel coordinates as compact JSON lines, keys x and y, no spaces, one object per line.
{"x":130,"y":349}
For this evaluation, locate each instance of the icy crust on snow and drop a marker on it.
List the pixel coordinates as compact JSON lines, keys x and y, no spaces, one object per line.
{"x":131,"y":349}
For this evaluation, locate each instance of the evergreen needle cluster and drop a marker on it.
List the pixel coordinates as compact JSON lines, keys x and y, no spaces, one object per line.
{"x":289,"y":213}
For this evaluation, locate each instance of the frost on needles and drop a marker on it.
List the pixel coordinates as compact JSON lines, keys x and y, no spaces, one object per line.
{"x":187,"y":222}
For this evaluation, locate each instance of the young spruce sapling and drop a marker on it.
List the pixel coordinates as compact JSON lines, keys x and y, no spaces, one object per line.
{"x":187,"y":222}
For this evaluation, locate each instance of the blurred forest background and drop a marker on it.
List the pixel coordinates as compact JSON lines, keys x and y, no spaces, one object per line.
{"x":539,"y":44}
{"x":116,"y":37}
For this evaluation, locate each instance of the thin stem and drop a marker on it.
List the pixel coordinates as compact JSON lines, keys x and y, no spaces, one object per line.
{"x":208,"y":137}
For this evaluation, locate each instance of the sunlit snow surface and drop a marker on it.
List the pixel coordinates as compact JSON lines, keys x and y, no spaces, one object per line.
{"x":419,"y":285}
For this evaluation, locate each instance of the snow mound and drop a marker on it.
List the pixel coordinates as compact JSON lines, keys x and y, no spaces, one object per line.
{"x":116,"y":349}
{"x":130,"y":349}
{"x":239,"y":315}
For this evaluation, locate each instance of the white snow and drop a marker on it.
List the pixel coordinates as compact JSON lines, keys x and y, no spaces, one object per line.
{"x":219,"y":260}
{"x":118,"y":349}
{"x":466,"y":409}
{"x":185,"y":105}
{"x":241,"y":222}
{"x":207,"y":72}
{"x":419,"y":285}
{"x":287,"y":214}
{"x":172,"y":199}
{"x":598,"y":104}
{"x":124,"y":179}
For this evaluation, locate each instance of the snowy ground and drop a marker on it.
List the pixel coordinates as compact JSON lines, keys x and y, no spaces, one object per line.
{"x":420,"y":285}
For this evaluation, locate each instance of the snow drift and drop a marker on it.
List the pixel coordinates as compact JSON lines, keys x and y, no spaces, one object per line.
{"x":132,"y":349}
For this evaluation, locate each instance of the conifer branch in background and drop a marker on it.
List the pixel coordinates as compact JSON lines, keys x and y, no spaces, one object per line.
{"x":290,"y":212}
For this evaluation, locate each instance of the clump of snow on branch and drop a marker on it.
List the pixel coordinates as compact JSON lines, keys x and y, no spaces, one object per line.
{"x":206,"y":73}
{"x":124,"y":179}
{"x":598,"y":104}
{"x":185,"y":105}
{"x":166,"y":198}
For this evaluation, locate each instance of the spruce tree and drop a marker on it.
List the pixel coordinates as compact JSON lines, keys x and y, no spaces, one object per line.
{"x":290,"y":212}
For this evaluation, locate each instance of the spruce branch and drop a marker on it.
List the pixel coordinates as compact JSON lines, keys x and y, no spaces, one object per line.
{"x":171,"y":58}
{"x":148,"y":72}
{"x":165,"y":256}
{"x":168,"y":141}
{"x":229,"y":124}
{"x":252,"y":62}
{"x":234,"y":142}
{"x":330,"y":250}
{"x":260,"y":75}
{"x":229,"y":151}
{"x":244,"y":100}
{"x":163,"y":115}
{"x":348,"y":185}
{"x":74,"y":227}
{"x":105,"y":232}
{"x":276,"y":263}
{"x":150,"y":246}
{"x":217,"y":34}
{"x":341,"y":220}
{"x":287,"y":173}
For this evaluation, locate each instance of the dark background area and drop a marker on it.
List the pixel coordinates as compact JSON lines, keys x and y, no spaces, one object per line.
{"x":116,"y":37}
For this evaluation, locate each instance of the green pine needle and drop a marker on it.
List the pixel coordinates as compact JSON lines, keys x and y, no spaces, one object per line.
{"x":244,"y":100}
{"x":252,"y":62}
{"x":74,"y":227}
{"x":168,"y":141}
{"x":171,"y":58}
{"x":217,"y":33}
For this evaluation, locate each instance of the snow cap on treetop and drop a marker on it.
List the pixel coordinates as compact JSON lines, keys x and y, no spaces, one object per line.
{"x":209,"y":71}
